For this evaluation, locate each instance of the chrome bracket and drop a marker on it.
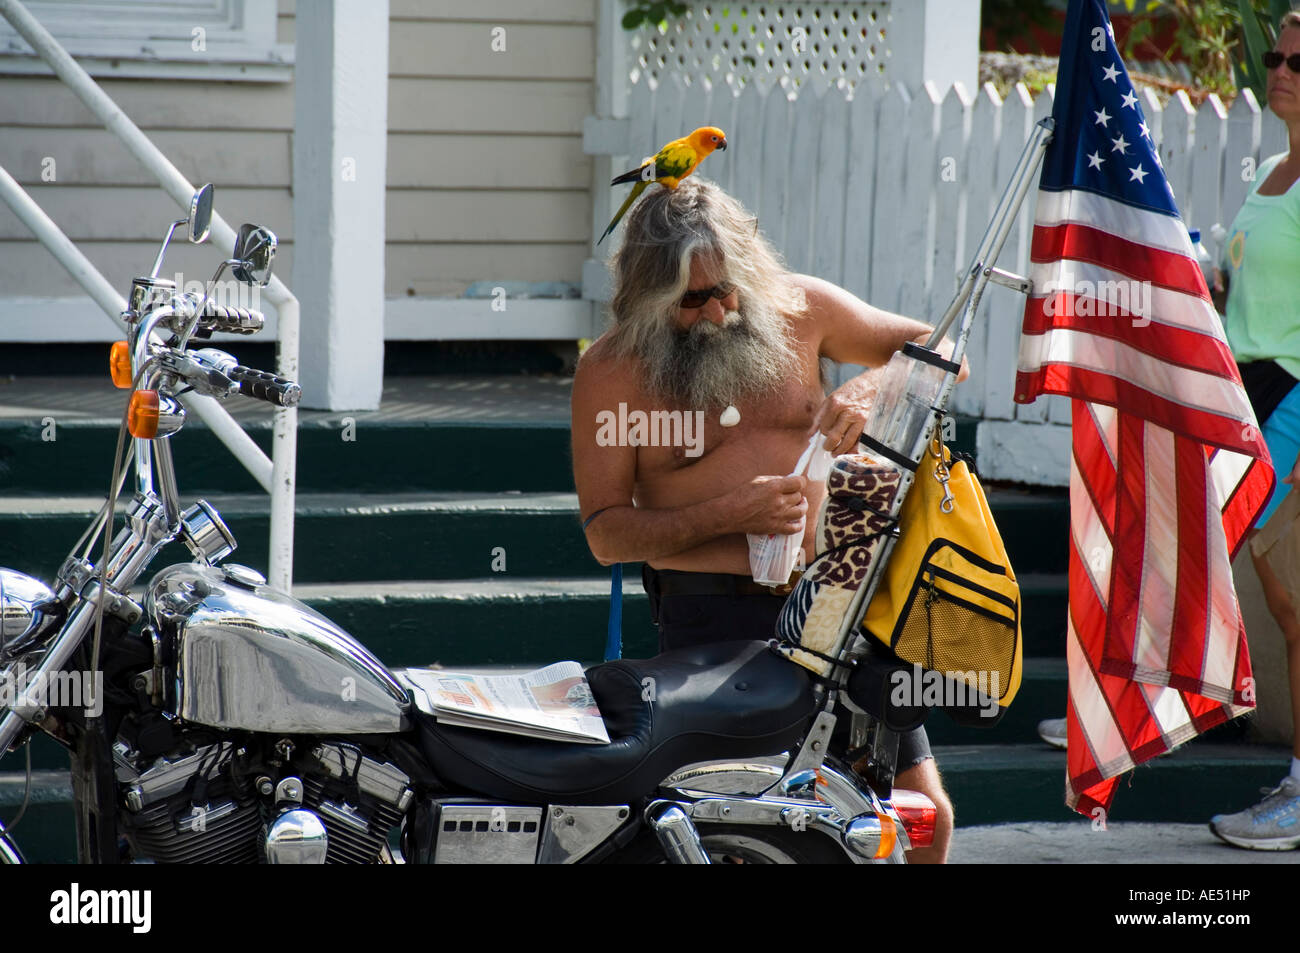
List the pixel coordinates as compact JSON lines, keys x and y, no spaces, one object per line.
{"x":1008,"y":280}
{"x":813,"y":751}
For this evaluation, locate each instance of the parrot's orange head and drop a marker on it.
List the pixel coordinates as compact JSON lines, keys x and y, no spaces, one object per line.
{"x":707,"y":138}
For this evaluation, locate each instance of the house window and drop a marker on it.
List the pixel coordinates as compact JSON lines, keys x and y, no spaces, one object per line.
{"x":178,"y":39}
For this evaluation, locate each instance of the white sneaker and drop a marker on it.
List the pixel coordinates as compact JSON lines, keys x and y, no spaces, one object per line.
{"x":1272,"y":824}
{"x":1052,"y":730}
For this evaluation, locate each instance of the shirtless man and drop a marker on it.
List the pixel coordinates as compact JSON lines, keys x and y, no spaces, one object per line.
{"x":707,"y":320}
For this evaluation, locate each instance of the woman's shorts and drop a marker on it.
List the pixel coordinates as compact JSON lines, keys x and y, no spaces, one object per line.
{"x":1282,"y":434}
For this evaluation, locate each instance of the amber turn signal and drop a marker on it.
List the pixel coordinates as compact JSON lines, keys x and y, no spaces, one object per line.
{"x":888,"y":835}
{"x":119,"y":365}
{"x":142,"y":415}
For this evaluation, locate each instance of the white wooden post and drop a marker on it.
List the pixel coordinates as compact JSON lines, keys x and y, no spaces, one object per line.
{"x":1240,"y":162}
{"x":935,"y":40}
{"x":339,"y":173}
{"x":605,"y":137}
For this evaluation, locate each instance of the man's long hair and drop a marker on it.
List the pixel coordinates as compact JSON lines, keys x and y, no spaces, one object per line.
{"x":665,"y":232}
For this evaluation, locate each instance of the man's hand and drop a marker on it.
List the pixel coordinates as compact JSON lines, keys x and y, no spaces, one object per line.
{"x":771,"y":504}
{"x":843,"y":414}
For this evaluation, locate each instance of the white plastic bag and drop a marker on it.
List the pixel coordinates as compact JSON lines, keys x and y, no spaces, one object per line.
{"x":772,"y":557}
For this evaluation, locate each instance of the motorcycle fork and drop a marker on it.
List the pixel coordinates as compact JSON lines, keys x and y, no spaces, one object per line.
{"x":94,"y":794}
{"x":94,"y":786}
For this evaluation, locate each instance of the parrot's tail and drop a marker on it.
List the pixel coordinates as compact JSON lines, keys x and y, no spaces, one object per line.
{"x":633,"y":176}
{"x":627,"y":204}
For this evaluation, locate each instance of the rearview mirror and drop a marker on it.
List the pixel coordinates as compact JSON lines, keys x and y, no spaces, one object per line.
{"x":254,"y":251}
{"x":200,"y":220}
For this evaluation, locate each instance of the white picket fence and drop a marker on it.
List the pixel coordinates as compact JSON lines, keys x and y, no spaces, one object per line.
{"x":887,"y":192}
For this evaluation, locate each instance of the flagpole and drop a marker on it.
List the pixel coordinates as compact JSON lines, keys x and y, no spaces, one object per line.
{"x":990,"y":246}
{"x":965,"y":303}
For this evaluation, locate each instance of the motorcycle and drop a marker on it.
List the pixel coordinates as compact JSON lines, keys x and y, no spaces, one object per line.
{"x":213,"y":728}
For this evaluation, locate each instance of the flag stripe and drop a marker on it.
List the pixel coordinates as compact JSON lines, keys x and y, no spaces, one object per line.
{"x":1190,"y":349}
{"x":1061,"y":378}
{"x":1074,"y":206}
{"x":1167,"y":306}
{"x":1191,"y":611}
{"x":1130,"y":545}
{"x":1130,"y":258}
{"x":1162,"y":553}
{"x":1095,"y":463}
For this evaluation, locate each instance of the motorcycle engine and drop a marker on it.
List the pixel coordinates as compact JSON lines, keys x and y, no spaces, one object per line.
{"x":214,"y":805}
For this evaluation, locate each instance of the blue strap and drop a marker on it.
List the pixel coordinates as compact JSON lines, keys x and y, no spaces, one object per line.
{"x":614,"y":632}
{"x":614,"y":635}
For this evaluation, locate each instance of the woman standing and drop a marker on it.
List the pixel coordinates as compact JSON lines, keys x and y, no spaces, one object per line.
{"x":1262,"y":322}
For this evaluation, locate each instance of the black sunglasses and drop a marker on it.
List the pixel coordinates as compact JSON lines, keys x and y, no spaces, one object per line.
{"x":698,"y":299}
{"x":1273,"y":59}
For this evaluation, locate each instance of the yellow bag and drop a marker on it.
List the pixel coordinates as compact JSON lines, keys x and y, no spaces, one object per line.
{"x":948,"y":600}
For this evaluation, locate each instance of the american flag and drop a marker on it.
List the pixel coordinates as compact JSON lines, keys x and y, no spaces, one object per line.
{"x":1168,"y":469}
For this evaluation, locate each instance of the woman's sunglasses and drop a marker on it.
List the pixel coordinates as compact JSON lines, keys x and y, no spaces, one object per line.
{"x":698,"y":299}
{"x":1273,"y":59}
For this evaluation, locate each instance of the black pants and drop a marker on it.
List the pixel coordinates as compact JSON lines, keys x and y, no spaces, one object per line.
{"x":735,"y":613}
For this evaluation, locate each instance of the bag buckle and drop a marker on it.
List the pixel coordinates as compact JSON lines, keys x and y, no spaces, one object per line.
{"x":941,"y":474}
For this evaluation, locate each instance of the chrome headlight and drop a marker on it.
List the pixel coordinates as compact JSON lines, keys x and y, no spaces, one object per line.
{"x":26,"y":605}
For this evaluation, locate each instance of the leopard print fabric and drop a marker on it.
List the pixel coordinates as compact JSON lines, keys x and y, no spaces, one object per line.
{"x":848,"y":542}
{"x":857,"y":485}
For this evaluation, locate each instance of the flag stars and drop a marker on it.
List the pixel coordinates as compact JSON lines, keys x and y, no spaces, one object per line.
{"x":1109,"y":73}
{"x":1095,"y":160}
{"x":1130,"y":100}
{"x":1146,"y":134}
{"x":1138,"y":174}
{"x":1103,"y":117}
{"x":1120,"y":145}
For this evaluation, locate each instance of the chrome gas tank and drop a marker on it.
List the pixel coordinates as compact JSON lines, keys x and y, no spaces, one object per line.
{"x":253,"y":658}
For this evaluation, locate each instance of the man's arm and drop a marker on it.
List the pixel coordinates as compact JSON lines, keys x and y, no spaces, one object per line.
{"x":853,"y":332}
{"x":605,"y":477}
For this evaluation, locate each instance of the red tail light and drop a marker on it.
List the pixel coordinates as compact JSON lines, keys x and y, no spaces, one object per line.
{"x":917,"y":813}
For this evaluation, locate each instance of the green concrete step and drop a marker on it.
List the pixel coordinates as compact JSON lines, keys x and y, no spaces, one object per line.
{"x":1044,"y":692}
{"x":513,"y":616}
{"x":501,"y":621}
{"x":47,"y":754}
{"x":393,"y":456}
{"x":346,"y":537}
{"x":46,"y":833}
{"x":996,"y":784}
{"x":446,"y":535}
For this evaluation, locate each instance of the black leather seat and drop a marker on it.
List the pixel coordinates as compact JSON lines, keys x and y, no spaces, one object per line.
{"x":724,"y":700}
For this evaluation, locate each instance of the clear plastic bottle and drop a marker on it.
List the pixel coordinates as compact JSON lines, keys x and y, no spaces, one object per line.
{"x":1202,"y":257}
{"x":904,"y":405}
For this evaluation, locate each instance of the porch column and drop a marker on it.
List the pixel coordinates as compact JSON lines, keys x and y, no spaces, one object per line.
{"x":339,"y":173}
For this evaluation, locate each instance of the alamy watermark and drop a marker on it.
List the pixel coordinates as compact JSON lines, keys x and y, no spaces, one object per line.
{"x":78,"y":905}
{"x":657,"y":428}
{"x":1099,"y":299}
{"x":917,"y":686}
{"x":225,"y":293}
{"x":83,"y":690}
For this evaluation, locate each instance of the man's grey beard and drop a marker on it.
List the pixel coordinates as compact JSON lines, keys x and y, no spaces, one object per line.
{"x":707,"y":367}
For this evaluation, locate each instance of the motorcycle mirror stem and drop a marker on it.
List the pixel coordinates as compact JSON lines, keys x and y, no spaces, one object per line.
{"x":199,"y":221}
{"x":253,"y":254}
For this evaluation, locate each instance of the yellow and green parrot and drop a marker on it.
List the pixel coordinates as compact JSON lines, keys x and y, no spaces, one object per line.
{"x":672,"y":163}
